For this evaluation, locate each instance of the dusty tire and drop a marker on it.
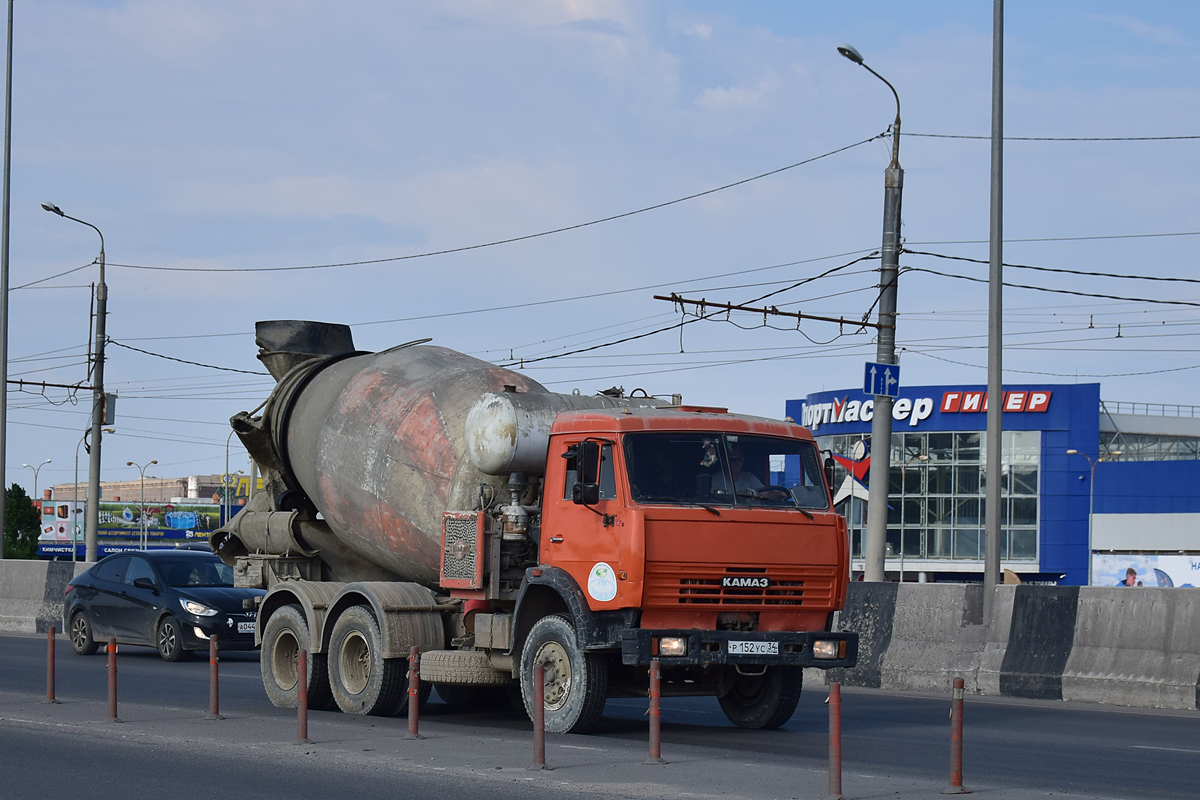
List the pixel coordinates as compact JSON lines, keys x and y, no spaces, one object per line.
{"x":80,"y":631}
{"x":764,"y":701}
{"x":168,"y":639}
{"x":284,"y":636}
{"x":576,"y":682}
{"x":462,"y":667}
{"x":362,"y":680}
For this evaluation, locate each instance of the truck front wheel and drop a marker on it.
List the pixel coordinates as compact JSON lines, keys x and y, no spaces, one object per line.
{"x":283,"y":637}
{"x":763,"y":701}
{"x":576,"y":682}
{"x":363,"y":681}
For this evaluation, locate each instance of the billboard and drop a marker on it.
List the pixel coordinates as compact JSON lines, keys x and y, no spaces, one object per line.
{"x":1148,"y":570}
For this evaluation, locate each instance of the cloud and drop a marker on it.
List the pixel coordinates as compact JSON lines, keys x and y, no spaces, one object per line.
{"x":1143,"y":30}
{"x":728,"y":98}
{"x":700,"y":29}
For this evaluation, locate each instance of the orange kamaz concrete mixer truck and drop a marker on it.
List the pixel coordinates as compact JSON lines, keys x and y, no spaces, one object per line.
{"x":421,"y":497}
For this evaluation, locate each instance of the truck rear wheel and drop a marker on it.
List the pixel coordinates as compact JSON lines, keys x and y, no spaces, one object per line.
{"x":284,"y":636}
{"x":576,"y":682}
{"x":362,"y":680}
{"x":764,"y":701}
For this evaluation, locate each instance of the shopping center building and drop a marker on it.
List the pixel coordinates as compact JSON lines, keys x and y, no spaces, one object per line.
{"x":1082,"y":480}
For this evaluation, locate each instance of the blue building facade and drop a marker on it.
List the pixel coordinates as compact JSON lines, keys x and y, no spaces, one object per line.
{"x":1060,"y":443}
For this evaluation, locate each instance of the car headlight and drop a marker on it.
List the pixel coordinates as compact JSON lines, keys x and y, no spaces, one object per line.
{"x":199,"y":609}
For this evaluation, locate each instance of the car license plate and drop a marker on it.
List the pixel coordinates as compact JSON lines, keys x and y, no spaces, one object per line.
{"x":753,"y":648}
{"x":245,"y":627}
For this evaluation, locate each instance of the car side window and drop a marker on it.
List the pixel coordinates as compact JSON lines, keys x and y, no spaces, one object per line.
{"x":139,"y":568}
{"x":111,"y":570}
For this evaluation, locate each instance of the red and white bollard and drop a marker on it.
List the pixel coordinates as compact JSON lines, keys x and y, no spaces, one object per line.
{"x":112,"y":680}
{"x":539,"y":718}
{"x":956,"y":730}
{"x":214,"y":681}
{"x":655,"y":713}
{"x":302,"y":698}
{"x":50,"y":698}
{"x":414,"y":692}
{"x":835,"y":741}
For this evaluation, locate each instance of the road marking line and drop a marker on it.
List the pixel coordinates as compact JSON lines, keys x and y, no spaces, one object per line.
{"x":1169,"y":749}
{"x":580,"y":747}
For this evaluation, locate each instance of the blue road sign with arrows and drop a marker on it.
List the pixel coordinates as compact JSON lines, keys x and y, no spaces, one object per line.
{"x":882,"y":380}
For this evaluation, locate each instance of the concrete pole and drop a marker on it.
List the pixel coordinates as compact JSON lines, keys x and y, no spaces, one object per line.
{"x":93,"y":498}
{"x":885,"y":352}
{"x":995,"y":427}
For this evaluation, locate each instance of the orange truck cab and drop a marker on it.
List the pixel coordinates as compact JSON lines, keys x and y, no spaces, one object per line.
{"x":703,"y":539}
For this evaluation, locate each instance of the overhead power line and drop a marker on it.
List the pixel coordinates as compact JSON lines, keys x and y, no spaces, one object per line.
{"x":184,"y":361}
{"x":1086,"y":273}
{"x":513,"y":239}
{"x":1057,"y":138}
{"x":1056,"y":291}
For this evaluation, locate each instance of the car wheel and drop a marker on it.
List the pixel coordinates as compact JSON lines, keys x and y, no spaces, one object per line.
{"x":763,"y":701}
{"x":362,"y":680}
{"x":283,"y":637}
{"x":169,"y":639}
{"x":80,"y":631}
{"x":576,"y":682}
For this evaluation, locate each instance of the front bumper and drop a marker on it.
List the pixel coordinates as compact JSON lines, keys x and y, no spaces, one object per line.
{"x":225,"y":626}
{"x":794,"y":648}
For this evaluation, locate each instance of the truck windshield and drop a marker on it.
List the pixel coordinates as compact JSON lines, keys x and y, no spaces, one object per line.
{"x":725,"y":470}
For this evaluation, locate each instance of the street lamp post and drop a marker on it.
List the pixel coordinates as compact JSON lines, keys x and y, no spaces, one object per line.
{"x":75,"y":491}
{"x":142,"y":499}
{"x":1091,"y":501}
{"x":93,"y":508}
{"x":36,"y":470}
{"x":885,"y":353}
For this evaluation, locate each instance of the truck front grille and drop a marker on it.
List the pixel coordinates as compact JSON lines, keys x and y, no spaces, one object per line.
{"x":671,"y":585}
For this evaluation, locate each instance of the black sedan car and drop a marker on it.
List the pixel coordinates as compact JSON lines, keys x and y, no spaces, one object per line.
{"x":172,"y":600}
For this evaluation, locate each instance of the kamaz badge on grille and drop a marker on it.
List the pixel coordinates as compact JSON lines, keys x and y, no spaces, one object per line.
{"x":740,"y":582}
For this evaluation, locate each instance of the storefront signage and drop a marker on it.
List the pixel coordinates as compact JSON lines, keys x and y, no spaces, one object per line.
{"x":916,"y":410}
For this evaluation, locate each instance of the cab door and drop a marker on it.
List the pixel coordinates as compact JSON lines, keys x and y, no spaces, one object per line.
{"x":583,"y":535}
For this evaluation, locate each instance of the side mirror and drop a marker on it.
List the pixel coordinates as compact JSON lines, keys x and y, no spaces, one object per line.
{"x":585,"y":494}
{"x":146,"y":583}
{"x":587,"y":460}
{"x":829,"y":473}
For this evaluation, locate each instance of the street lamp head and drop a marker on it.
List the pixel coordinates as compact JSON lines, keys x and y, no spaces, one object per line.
{"x":845,"y":49}
{"x":53,"y":209}
{"x":154,"y":461}
{"x":129,"y":463}
{"x":1072,"y":452}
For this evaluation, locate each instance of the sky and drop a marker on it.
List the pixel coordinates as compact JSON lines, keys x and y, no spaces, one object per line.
{"x":220,"y":146}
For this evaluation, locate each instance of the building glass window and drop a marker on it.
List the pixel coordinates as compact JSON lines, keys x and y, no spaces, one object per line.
{"x":936,"y":504}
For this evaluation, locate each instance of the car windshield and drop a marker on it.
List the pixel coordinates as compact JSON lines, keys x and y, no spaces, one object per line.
{"x":195,"y":572}
{"x":725,"y":469}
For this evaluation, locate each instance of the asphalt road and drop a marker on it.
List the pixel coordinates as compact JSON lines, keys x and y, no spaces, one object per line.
{"x":894,"y":745}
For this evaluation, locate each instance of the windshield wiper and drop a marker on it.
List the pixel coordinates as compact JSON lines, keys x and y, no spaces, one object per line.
{"x":664,"y":499}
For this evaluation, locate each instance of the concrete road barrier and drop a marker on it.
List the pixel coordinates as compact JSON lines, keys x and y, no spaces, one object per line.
{"x":32,"y":593}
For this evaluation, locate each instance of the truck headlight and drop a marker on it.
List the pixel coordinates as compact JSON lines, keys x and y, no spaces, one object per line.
{"x":672,"y":646}
{"x":829,"y":648}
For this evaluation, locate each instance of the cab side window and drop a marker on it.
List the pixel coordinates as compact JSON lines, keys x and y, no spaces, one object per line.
{"x":608,"y":475}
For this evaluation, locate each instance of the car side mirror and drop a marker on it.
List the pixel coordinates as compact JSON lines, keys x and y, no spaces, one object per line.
{"x":829,"y":473}
{"x":146,"y":583}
